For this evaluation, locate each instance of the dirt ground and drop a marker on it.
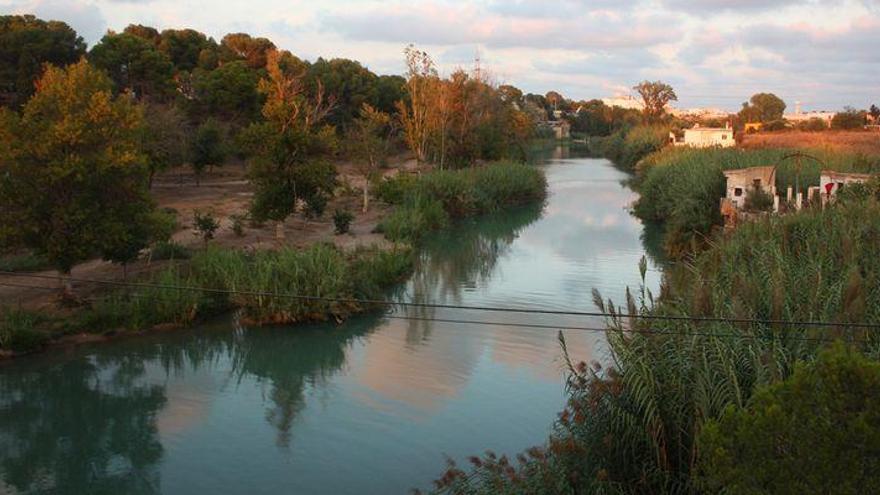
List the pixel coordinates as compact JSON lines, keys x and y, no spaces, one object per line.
{"x":866,"y":142}
{"x":223,"y":192}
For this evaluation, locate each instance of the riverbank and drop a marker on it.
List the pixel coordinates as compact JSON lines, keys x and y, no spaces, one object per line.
{"x":418,"y":204}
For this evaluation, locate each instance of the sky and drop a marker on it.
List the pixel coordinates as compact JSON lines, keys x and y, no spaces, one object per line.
{"x":715,"y":53}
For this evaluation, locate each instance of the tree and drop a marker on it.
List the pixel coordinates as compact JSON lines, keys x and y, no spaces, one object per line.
{"x":655,"y":96}
{"x":144,"y":32}
{"x":817,"y":432}
{"x":241,"y":46}
{"x":75,"y":183}
{"x":134,"y":64}
{"x":208,"y":148}
{"x":205,"y":226}
{"x":185,"y":47}
{"x":762,"y":107}
{"x":848,"y":119}
{"x":554,"y":99}
{"x":874,"y":112}
{"x":510,"y":94}
{"x":350,"y":83}
{"x":387,"y":91}
{"x":26,"y":43}
{"x":165,"y":137}
{"x":286,"y":165}
{"x":415,"y":115}
{"x":228,"y":92}
{"x":369,"y":144}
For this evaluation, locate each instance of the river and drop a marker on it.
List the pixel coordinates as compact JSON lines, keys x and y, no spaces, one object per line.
{"x":368,"y":407}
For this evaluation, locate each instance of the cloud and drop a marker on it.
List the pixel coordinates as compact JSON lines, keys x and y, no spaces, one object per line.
{"x":85,"y":17}
{"x":433,"y":24}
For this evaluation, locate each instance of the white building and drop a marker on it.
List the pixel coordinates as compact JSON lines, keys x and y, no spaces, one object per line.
{"x":705,"y":137}
{"x":625,"y":101}
{"x":805,"y":116}
{"x":831,"y":182}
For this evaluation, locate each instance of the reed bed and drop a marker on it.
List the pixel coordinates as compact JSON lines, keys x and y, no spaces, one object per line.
{"x":432,"y":200}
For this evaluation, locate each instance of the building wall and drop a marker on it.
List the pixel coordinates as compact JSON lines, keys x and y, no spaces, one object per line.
{"x":702,"y":138}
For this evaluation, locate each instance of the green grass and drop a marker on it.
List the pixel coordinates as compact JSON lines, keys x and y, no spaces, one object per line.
{"x":19,"y":330}
{"x":322,"y":270}
{"x":629,"y":145}
{"x":432,"y":200}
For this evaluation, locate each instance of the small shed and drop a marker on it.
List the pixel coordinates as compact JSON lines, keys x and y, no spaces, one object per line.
{"x":743,"y":180}
{"x":831,"y":182}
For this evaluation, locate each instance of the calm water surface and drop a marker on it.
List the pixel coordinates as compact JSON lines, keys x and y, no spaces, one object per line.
{"x":369,"y":407}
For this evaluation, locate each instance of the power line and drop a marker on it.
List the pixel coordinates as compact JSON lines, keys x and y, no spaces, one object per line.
{"x":383,"y":302}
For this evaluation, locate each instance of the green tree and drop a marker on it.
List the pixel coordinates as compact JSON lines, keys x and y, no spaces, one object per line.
{"x":655,"y":96}
{"x":817,"y":432}
{"x":134,"y":64}
{"x":208,"y":148}
{"x":74,"y":172}
{"x":387,"y":91}
{"x":185,"y":47}
{"x":286,"y":165}
{"x":348,"y":82}
{"x":874,"y":112}
{"x":165,"y":137}
{"x":369,"y":144}
{"x":228,"y":92}
{"x":762,"y":107}
{"x":848,"y":119}
{"x":26,"y":43}
{"x":510,"y":94}
{"x":147,"y":33}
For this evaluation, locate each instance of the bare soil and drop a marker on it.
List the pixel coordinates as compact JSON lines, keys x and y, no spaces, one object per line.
{"x":223,"y":192}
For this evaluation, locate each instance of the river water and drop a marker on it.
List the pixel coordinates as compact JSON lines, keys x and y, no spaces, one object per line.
{"x":371,"y":406}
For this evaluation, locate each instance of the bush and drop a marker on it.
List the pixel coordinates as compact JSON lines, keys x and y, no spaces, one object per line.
{"x":18,"y":330}
{"x":315,"y":206}
{"x":628,"y":146}
{"x":24,"y":262}
{"x":205,"y":226}
{"x":758,"y":200}
{"x":342,"y":221}
{"x":391,"y":190}
{"x":817,"y":432}
{"x":169,"y":251}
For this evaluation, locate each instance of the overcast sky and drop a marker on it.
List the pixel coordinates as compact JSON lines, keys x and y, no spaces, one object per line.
{"x":825,"y":53}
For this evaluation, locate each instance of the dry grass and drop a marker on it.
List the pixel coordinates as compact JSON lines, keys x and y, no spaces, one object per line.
{"x":865,"y":142}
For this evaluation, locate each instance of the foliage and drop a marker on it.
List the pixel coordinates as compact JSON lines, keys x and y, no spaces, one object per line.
{"x":237,"y":224}
{"x":205,"y":226}
{"x":392,"y":190}
{"x":165,"y":137}
{"x":629,"y":145}
{"x":23,"y":262}
{"x":758,"y":200}
{"x":75,"y":182}
{"x":26,"y":43}
{"x":429,"y":201}
{"x":812,"y":125}
{"x":350,"y":83}
{"x":849,"y":118}
{"x":816,"y":432}
{"x":169,"y":250}
{"x":135,"y":65}
{"x":288,"y":165}
{"x":342,"y":221}
{"x":655,"y":96}
{"x":369,"y":144}
{"x":762,"y":107}
{"x":18,"y":330}
{"x":208,"y":147}
{"x":228,"y":92}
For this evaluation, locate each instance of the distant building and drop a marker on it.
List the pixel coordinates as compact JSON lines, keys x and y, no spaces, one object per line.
{"x":705,"y":137}
{"x":626,"y":101}
{"x":805,"y":116}
{"x":703,"y":113}
{"x":561,"y":129}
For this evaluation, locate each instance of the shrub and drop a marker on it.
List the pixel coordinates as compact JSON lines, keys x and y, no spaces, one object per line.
{"x":315,"y":205}
{"x":238,"y":223}
{"x":18,"y":330}
{"x":342,"y":221}
{"x":627,"y":146}
{"x":205,"y":226}
{"x":817,"y":432}
{"x":24,"y":262}
{"x":758,"y":200}
{"x":169,"y":251}
{"x":391,"y":190}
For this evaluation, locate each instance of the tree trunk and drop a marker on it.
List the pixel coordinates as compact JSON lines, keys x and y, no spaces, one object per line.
{"x":366,"y":195}
{"x":279,"y":230}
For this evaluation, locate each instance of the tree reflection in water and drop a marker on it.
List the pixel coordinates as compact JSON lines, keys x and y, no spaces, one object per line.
{"x":460,"y":258}
{"x":88,"y":424}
